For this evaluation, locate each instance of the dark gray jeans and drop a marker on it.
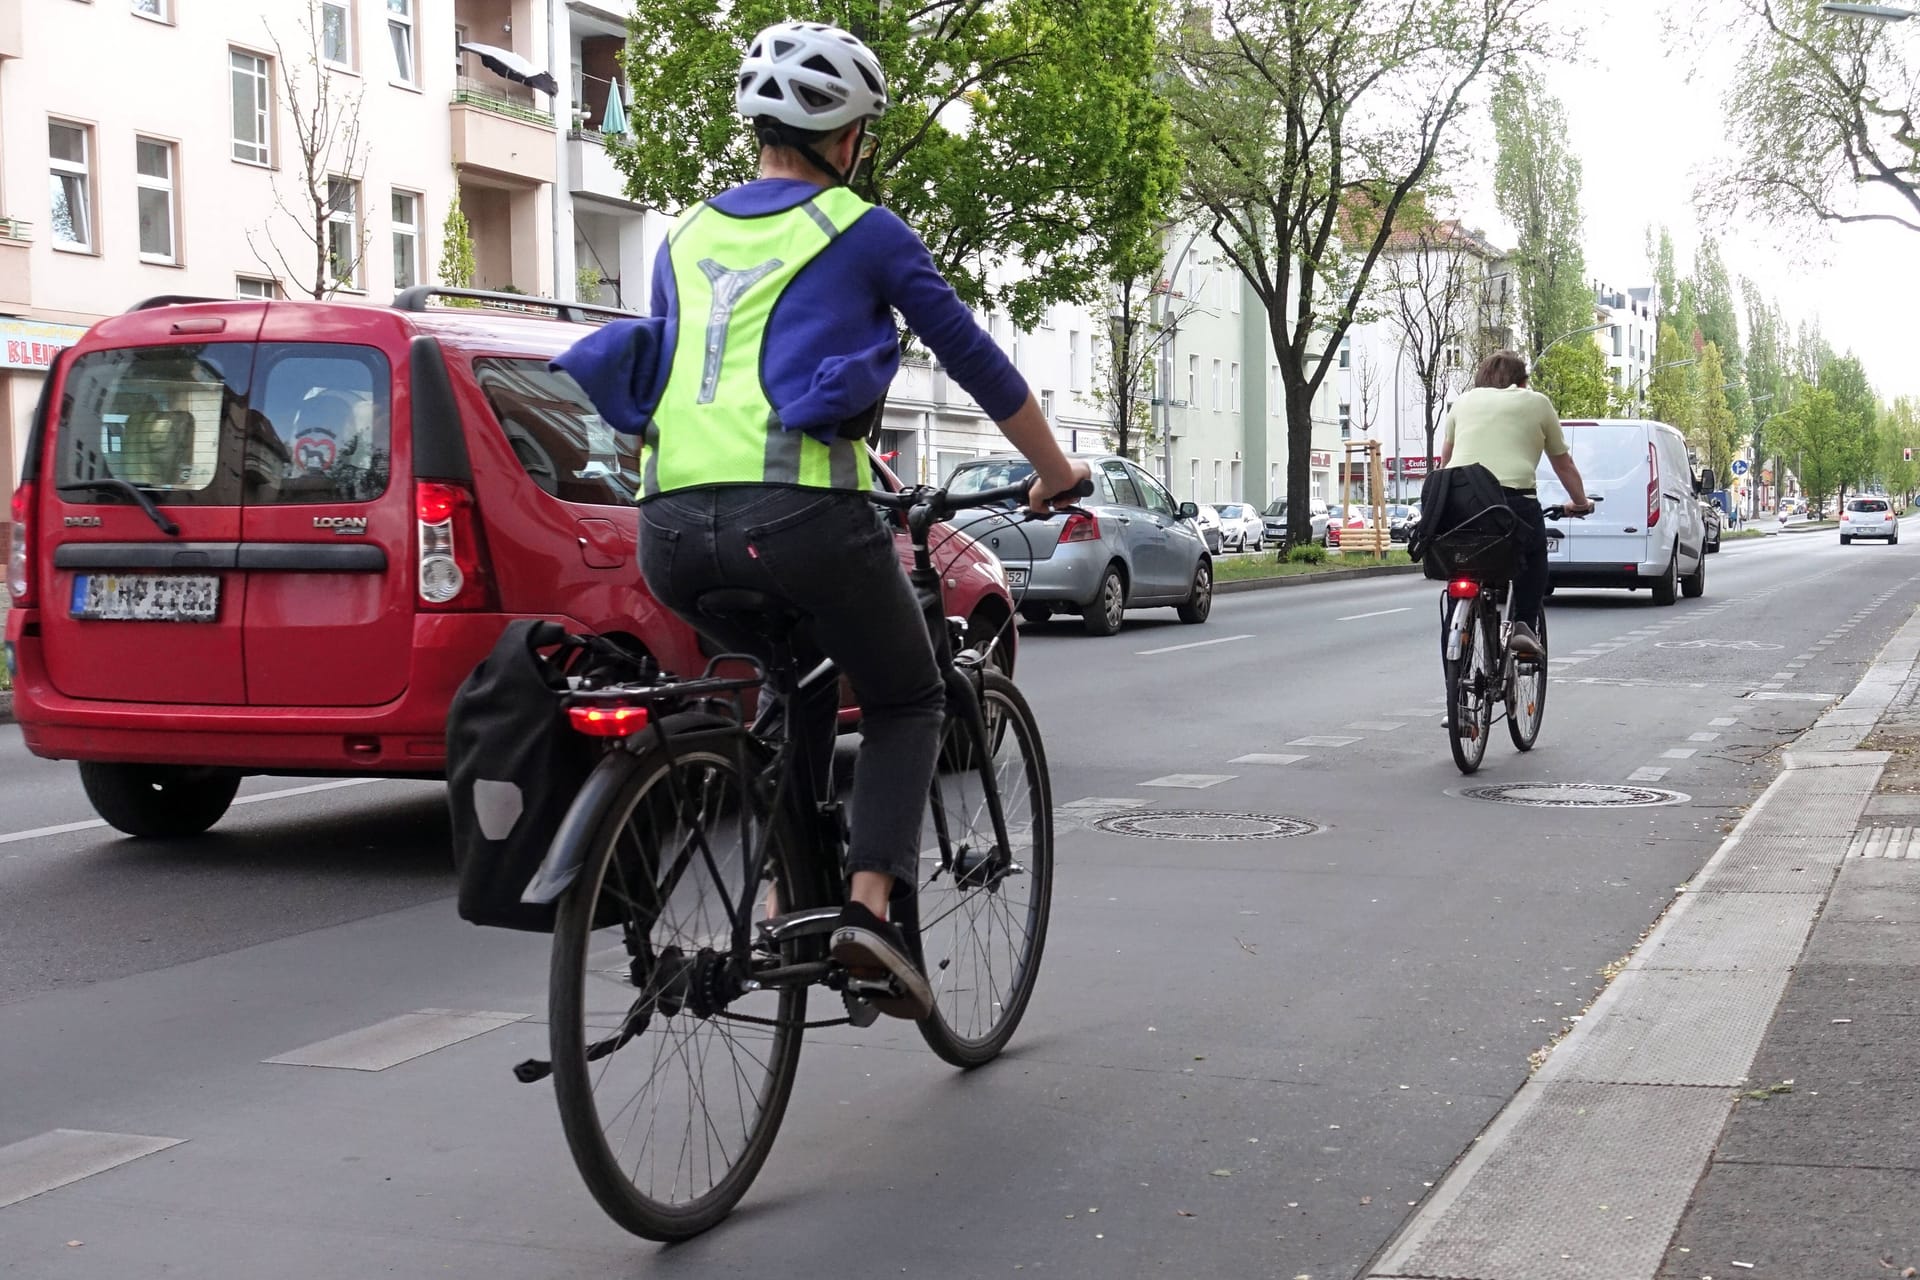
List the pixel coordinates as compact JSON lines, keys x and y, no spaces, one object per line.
{"x":827,"y":555}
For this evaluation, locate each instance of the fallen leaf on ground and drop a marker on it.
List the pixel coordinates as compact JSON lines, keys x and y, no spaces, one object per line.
{"x":1185,"y":1213}
{"x":1223,"y":1173}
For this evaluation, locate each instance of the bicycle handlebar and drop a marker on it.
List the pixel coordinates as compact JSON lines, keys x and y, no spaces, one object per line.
{"x":1561,"y":513}
{"x":934,"y":505}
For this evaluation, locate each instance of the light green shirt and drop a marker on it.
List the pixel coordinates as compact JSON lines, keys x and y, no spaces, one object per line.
{"x":1505,"y":430}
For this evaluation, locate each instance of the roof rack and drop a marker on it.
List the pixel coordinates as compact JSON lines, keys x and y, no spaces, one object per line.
{"x":170,"y":300}
{"x":419,"y":297}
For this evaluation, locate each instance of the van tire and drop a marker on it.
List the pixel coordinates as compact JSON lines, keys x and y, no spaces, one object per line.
{"x":158,"y":801}
{"x":1667,"y":589}
{"x":1694,"y":585}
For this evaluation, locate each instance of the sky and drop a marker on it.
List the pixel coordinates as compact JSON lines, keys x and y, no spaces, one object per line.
{"x":1645,"y":134}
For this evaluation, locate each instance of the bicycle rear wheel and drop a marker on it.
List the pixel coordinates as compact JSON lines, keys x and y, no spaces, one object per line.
{"x":1527,"y":694}
{"x":980,"y":910}
{"x":1469,"y":692}
{"x":670,"y":1101}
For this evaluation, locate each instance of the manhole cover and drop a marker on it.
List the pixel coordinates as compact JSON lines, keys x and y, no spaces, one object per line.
{"x":1575,"y":795}
{"x":1195,"y":824}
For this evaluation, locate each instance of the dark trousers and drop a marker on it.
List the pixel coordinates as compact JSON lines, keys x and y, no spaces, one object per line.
{"x":827,"y":555}
{"x":1530,"y":573}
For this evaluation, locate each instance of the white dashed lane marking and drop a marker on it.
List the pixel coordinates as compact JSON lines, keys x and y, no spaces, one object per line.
{"x":1679,"y":753}
{"x":1377,"y":613}
{"x":54,"y":1159}
{"x":1322,"y":740}
{"x":396,"y":1040}
{"x":1197,"y":644}
{"x":1190,"y":781}
{"x":1261,"y":757}
{"x":1647,"y":774}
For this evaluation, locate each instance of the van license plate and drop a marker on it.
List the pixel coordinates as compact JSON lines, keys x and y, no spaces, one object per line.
{"x":146,"y":597}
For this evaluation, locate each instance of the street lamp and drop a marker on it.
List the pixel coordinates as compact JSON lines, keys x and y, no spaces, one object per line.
{"x":1592,"y":328}
{"x":1640,"y":383}
{"x":1877,"y":12}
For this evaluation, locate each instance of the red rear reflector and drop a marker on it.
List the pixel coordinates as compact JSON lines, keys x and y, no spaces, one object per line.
{"x":608,"y":722}
{"x":1463,"y":589}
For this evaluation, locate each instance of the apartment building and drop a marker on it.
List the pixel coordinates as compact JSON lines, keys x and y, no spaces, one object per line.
{"x":1632,"y":332}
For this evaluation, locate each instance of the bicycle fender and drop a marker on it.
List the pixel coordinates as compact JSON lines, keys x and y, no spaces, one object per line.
{"x":577,"y":833}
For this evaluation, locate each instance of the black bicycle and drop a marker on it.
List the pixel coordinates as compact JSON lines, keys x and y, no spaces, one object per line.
{"x":697,"y":890}
{"x":1483,"y":676}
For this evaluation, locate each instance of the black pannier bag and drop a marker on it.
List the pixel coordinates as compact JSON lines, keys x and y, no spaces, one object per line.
{"x":514,"y":765}
{"x":1466,"y":528}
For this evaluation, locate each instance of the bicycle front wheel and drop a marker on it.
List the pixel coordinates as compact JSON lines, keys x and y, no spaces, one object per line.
{"x":1527,"y":694}
{"x":981,"y":908}
{"x":1469,"y":693}
{"x":671,"y":1082}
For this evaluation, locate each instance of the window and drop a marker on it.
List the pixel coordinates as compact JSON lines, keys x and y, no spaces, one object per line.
{"x":1193,"y":283}
{"x":566,"y":447}
{"x":70,"y":165}
{"x":1615,"y":333}
{"x":1217,"y":494}
{"x":153,"y":163}
{"x":318,"y":424}
{"x":1125,"y":492}
{"x":1193,"y":378}
{"x":1193,"y":479}
{"x":400,"y":33}
{"x":344,"y":246}
{"x":252,"y":91}
{"x":1346,"y":420}
{"x":1152,"y":496}
{"x":336,"y":32}
{"x":1273,"y":481}
{"x":1233,"y":293}
{"x":1346,"y":351}
{"x":1233,"y":386}
{"x":1075,"y":382}
{"x":1234,"y":482}
{"x":1046,"y":318}
{"x":255,"y":287}
{"x":1046,"y":405}
{"x":1273,"y":390}
{"x":406,"y":240}
{"x":155,"y":9}
{"x":1019,"y":345}
{"x":1216,"y":386}
{"x":154,"y":417}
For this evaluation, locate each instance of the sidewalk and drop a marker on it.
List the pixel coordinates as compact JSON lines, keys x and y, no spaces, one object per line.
{"x":1744,"y":1099}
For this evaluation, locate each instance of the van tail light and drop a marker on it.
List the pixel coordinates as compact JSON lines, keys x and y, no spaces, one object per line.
{"x":20,"y":556}
{"x":453,"y":572}
{"x":1463,"y":588}
{"x":1653,"y":486}
{"x":1081,"y":527}
{"x":607,"y":722}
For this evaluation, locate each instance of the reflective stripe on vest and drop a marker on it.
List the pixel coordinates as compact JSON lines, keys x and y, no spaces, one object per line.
{"x":714,"y":423}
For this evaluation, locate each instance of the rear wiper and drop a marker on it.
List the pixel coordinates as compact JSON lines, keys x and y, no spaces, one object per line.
{"x":131,"y":490}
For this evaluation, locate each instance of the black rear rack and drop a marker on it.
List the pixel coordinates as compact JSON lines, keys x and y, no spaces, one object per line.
{"x":420,"y":297}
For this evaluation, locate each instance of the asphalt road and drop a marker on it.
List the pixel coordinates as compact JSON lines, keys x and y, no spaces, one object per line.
{"x":1245,"y":1058}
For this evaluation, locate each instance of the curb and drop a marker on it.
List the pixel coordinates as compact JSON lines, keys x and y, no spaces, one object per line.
{"x":1308,"y":579}
{"x":1574,"y":1134}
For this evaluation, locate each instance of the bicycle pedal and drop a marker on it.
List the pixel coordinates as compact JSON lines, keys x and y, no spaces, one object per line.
{"x":860,"y":1012}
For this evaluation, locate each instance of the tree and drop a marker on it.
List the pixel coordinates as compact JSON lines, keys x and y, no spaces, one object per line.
{"x":1536,"y":183}
{"x":1671,"y":394}
{"x":323,"y":213}
{"x":1308,"y":127}
{"x":1666,"y":277}
{"x":1574,"y":376}
{"x":1824,"y":117}
{"x":1899,"y":436}
{"x":456,"y":246}
{"x":1715,"y":430}
{"x":1143,"y":314}
{"x":1858,"y":408}
{"x":1433,"y":275}
{"x":1009,"y":124}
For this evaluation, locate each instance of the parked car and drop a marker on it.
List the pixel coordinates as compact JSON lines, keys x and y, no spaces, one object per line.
{"x":1241,"y":528}
{"x":1868,"y":518}
{"x":1715,"y":520}
{"x":1357,"y":515}
{"x":1647,"y":531}
{"x":1401,"y":517}
{"x":275,"y":537}
{"x":1274,"y":520}
{"x":1131,"y":546}
{"x":1208,"y":522}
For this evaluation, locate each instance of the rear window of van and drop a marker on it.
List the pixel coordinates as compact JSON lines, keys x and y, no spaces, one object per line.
{"x":1609,"y":456}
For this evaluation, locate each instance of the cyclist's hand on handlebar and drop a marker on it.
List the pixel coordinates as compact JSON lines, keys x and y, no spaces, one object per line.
{"x":1578,"y":508}
{"x":1049,"y":494}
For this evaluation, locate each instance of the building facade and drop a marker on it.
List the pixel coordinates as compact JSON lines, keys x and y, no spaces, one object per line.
{"x":1632,"y":332}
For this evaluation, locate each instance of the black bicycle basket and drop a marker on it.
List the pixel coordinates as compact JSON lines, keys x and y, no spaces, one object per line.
{"x":1480,"y":547}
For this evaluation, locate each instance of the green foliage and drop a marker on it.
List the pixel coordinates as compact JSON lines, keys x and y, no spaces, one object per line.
{"x":1536,"y":184}
{"x":1665,"y":276}
{"x":1827,"y":437}
{"x":1899,"y":431}
{"x":1574,"y":376}
{"x":586,"y":284}
{"x":1307,"y":553}
{"x":1308,"y":127}
{"x":1821,"y":115}
{"x":1671,"y":395}
{"x":1715,"y":431}
{"x":456,"y":246}
{"x":1024,"y":130}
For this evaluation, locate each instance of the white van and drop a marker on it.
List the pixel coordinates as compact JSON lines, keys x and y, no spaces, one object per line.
{"x":1647,"y":530}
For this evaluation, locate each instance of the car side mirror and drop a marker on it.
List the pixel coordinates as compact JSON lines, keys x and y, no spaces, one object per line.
{"x":1189,"y":511}
{"x":1705,"y":483}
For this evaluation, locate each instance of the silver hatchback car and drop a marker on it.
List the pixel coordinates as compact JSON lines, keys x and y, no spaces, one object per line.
{"x":1130,"y":547}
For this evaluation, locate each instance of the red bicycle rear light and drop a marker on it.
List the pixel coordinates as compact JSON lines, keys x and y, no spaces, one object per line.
{"x":607,"y":722}
{"x":1463,"y":588}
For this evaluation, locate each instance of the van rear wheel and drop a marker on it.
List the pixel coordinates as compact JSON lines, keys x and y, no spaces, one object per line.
{"x":158,"y":801}
{"x":1667,"y":589}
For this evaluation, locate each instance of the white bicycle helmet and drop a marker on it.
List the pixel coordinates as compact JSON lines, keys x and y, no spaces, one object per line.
{"x":808,"y":75}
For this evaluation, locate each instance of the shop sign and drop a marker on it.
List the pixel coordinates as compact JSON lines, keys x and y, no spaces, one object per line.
{"x":32,"y":344}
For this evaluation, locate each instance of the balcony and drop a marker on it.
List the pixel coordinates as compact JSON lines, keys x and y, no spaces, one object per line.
{"x":500,"y":136}
{"x":16,"y":275}
{"x":590,"y":169}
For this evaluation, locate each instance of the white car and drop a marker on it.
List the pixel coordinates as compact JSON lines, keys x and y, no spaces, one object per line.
{"x":1241,"y":528}
{"x":1868,"y":518}
{"x":1209,"y":524}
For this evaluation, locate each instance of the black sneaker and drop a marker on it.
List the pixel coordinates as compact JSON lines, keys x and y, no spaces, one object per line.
{"x":1524,"y":643}
{"x":873,"y":949}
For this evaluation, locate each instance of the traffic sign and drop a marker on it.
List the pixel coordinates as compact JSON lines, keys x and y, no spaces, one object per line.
{"x":1739,"y":466}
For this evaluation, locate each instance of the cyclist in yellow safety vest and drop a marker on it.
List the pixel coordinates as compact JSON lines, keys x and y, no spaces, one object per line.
{"x":756,"y":397}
